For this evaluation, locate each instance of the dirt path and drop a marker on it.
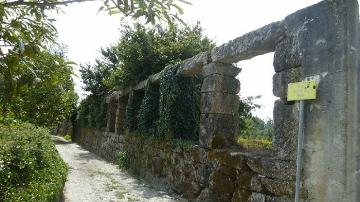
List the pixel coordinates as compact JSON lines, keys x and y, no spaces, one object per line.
{"x":91,"y":178}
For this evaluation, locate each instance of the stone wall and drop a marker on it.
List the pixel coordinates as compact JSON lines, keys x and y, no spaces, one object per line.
{"x":320,"y":43}
{"x":197,"y":173}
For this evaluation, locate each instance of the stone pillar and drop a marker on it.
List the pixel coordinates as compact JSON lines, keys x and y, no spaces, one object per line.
{"x":120,"y":115}
{"x":327,"y":42}
{"x":219,"y":105}
{"x":111,"y":117}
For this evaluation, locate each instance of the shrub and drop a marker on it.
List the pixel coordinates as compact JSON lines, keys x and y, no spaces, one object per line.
{"x":92,"y":112}
{"x":30,"y":167}
{"x":149,"y":110}
{"x":179,"y":105}
{"x":67,"y":138}
{"x":123,"y":160}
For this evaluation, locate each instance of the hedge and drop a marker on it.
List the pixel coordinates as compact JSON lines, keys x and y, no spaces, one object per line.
{"x":30,"y":166}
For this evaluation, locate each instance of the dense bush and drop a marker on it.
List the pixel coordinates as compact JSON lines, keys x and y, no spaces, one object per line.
{"x":40,"y":92}
{"x":141,"y":52}
{"x":30,"y":167}
{"x":149,"y":110}
{"x":179,"y":105}
{"x":92,"y":112}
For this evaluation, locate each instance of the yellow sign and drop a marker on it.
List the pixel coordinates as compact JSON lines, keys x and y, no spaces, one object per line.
{"x":305,"y":90}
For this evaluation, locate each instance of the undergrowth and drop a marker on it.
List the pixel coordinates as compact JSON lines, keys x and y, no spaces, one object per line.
{"x":254,"y":142}
{"x":30,"y":166}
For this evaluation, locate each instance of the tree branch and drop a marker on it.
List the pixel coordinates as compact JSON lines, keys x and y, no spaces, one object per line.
{"x":42,"y":4}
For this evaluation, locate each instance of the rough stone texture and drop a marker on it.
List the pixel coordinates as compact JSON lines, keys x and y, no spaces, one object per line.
{"x":196,"y":173}
{"x":221,"y":69}
{"x":219,"y":83}
{"x":217,"y":130}
{"x":320,"y":42}
{"x":252,"y":44}
{"x":327,"y":36}
{"x":273,"y":168}
{"x":282,"y":79}
{"x":111,"y":117}
{"x":285,"y":129}
{"x":194,"y":65}
{"x":219,"y":103}
{"x":257,"y":197}
{"x":120,"y":115}
{"x":286,"y":55}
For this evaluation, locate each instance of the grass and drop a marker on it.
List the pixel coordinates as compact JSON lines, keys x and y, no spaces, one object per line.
{"x":67,"y":138}
{"x":254,"y":142}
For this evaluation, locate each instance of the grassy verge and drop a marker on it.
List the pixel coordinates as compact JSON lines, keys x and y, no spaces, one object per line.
{"x":254,"y":142}
{"x":30,"y":166}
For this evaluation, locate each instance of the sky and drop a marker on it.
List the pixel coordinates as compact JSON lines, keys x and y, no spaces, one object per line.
{"x":84,"y":30}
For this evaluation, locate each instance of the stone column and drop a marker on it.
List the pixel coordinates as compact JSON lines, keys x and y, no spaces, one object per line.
{"x":219,"y":105}
{"x":111,"y":116}
{"x":120,"y":115}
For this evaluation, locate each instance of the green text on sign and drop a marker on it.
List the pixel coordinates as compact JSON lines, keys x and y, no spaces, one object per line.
{"x":305,"y":90}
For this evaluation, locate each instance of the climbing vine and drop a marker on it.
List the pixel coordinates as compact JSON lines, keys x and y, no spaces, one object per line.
{"x":178,"y":105}
{"x":149,"y":110}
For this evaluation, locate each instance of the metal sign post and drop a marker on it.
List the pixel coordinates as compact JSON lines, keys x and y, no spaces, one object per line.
{"x":300,"y":91}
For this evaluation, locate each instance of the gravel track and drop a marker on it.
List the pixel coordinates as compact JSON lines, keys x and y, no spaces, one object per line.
{"x":91,"y":178}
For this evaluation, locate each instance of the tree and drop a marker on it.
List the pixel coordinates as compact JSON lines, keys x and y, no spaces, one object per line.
{"x":141,"y":52}
{"x":42,"y":93}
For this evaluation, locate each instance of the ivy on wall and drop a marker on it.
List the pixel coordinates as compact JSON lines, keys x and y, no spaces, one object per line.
{"x":149,"y":110}
{"x":178,"y":105}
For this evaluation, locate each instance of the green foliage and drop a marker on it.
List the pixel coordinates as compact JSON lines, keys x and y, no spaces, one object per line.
{"x":30,"y":167}
{"x":41,"y":93}
{"x":123,"y":160}
{"x":179,"y":114}
{"x":68,"y":138}
{"x":149,"y":110}
{"x":253,"y":131}
{"x":254,"y":142}
{"x":132,"y":110}
{"x":141,"y":52}
{"x":92,"y":112}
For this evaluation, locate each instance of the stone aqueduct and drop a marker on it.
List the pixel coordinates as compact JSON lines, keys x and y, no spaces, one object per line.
{"x":320,"y":42}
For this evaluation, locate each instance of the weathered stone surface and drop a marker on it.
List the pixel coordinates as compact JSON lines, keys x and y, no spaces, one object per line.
{"x":273,"y":168}
{"x":219,"y":103}
{"x":222,"y":183}
{"x":241,"y":195}
{"x":194,"y":65}
{"x":252,"y":44}
{"x":278,"y":187}
{"x":282,"y":79}
{"x":217,"y":130}
{"x":232,"y":159}
{"x":257,"y":197}
{"x":221,"y":68}
{"x":286,"y":55}
{"x":111,"y":117}
{"x":219,"y":83}
{"x":205,"y":196}
{"x":256,"y":183}
{"x":157,"y":166}
{"x":279,"y":199}
{"x":285,"y":129}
